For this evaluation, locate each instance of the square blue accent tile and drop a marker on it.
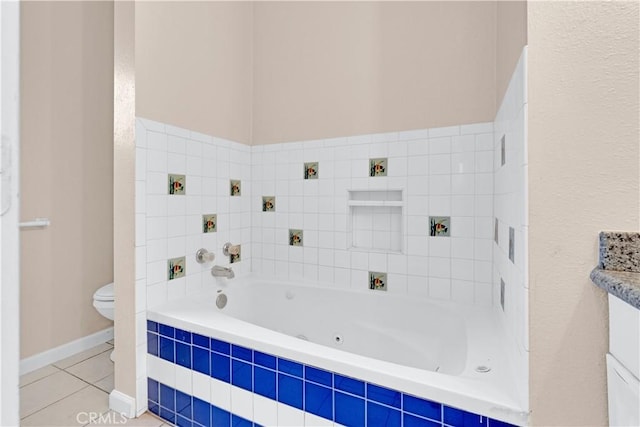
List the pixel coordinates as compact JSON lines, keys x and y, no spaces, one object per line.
{"x":167,"y":350}
{"x":349,"y":385}
{"x":153,"y":390}
{"x":183,"y":404}
{"x":168,"y":415}
{"x":237,"y":421}
{"x":318,"y":376}
{"x":152,"y":344}
{"x":383,"y":416}
{"x":220,"y":346}
{"x":221,"y":367}
{"x":200,"y":340}
{"x":201,"y":360}
{"x":241,"y":375}
{"x":167,"y":398}
{"x":183,"y":422}
{"x":152,"y":326}
{"x":498,"y":423}
{"x":154,"y":408}
{"x":422,"y":407}
{"x":290,"y":367}
{"x":201,"y":412}
{"x":349,"y":410}
{"x":383,"y":395}
{"x":220,"y":417}
{"x":264,"y":382}
{"x":266,"y":360}
{"x":183,"y":336}
{"x":290,"y":391}
{"x":318,"y":400}
{"x":183,"y":354}
{"x":242,"y":353}
{"x":411,"y":421}
{"x":458,"y":417}
{"x":166,"y":330}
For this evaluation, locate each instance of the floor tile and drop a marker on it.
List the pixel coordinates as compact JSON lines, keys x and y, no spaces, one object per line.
{"x":77,"y":358}
{"x":46,"y":391}
{"x":93,"y":369}
{"x":74,"y":410}
{"x":38,"y":374}
{"x":144,"y":420}
{"x":105,"y":384}
{"x":110,"y":342}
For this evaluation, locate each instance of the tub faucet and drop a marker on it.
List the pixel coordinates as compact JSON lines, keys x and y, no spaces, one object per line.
{"x":220,"y":271}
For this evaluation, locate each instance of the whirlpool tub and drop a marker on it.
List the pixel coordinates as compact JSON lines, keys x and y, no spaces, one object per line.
{"x":257,"y":352}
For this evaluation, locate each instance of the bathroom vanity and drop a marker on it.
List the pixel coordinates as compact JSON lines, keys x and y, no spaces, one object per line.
{"x":618,"y":273}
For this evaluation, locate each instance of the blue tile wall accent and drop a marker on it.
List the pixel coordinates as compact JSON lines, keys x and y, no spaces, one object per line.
{"x":265,"y":360}
{"x":411,"y":421}
{"x":265,"y":382}
{"x":201,"y":361}
{"x":290,"y":390}
{"x":183,"y":354}
{"x":242,"y":353}
{"x":318,"y":376}
{"x":384,"y":395}
{"x":345,"y":400}
{"x":350,"y":385}
{"x":383,"y":416}
{"x":167,"y":349}
{"x":241,"y":375}
{"x":349,"y":410}
{"x":220,"y":367}
{"x":289,"y":367}
{"x":458,"y":417}
{"x":152,"y":344}
{"x":424,"y":408}
{"x":152,"y":326}
{"x":220,"y":346}
{"x":200,"y":340}
{"x":318,"y":400}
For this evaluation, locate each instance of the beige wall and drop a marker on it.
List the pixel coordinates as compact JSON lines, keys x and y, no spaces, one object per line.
{"x":325,"y":69}
{"x":511,"y":37}
{"x":66,"y":161}
{"x":583,"y":178}
{"x":194,"y":66}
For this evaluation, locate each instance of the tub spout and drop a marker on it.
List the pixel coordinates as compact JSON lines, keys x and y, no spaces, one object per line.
{"x":220,"y":271}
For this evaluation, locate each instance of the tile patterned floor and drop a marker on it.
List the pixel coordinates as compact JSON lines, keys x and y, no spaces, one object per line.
{"x":75,"y":392}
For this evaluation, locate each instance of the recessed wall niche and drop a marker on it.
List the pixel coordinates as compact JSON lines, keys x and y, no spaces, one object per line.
{"x":376,"y":220}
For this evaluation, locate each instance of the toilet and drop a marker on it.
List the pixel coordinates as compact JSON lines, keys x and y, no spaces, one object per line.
{"x":104,"y":301}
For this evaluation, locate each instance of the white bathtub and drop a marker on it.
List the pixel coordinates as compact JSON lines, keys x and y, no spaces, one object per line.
{"x":426,"y":348}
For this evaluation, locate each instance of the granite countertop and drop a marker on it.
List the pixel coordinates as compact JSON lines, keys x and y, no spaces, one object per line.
{"x":623,"y":284}
{"x":618,"y":271}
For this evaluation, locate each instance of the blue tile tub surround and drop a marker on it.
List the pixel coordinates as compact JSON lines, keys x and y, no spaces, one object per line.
{"x":345,"y":400}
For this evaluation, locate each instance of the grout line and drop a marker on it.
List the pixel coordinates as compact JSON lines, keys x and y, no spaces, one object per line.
{"x":53,"y":403}
{"x":46,"y":376}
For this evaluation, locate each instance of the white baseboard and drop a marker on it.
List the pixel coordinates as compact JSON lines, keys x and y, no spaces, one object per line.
{"x":48,"y":357}
{"x":122,"y":404}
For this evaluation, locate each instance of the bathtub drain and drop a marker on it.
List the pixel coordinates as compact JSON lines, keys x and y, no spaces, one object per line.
{"x":483,"y":369}
{"x":337,"y":338}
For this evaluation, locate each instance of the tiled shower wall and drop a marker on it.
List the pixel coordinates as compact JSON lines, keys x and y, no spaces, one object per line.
{"x":510,"y":254}
{"x":444,"y":172}
{"x":170,"y":226}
